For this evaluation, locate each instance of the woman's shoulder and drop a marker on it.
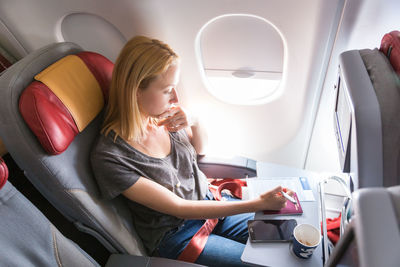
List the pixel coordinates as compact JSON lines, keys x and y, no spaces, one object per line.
{"x":106,"y":144}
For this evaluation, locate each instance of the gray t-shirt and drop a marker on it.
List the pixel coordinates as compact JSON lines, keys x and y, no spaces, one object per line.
{"x":117,"y":166}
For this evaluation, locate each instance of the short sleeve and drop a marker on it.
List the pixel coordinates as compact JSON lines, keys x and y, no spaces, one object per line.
{"x":112,"y":170}
{"x":183,"y":137}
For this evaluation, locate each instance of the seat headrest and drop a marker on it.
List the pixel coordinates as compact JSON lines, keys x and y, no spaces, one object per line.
{"x":390,"y":47}
{"x":65,"y":98}
{"x":3,"y":173}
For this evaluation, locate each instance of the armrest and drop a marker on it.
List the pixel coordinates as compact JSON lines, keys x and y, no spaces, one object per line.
{"x":236,"y":167}
{"x":122,"y":260}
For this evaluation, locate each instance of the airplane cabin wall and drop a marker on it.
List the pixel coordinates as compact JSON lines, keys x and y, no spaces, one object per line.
{"x":363,"y":25}
{"x":277,"y":131}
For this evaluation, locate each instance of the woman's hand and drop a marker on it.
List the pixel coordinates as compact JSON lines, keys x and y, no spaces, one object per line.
{"x":273,"y":199}
{"x":175,"y":119}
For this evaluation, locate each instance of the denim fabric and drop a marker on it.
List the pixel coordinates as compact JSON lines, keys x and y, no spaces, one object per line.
{"x":224,"y":246}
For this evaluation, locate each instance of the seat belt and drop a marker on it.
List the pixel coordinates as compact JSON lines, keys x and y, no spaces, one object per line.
{"x":196,"y":245}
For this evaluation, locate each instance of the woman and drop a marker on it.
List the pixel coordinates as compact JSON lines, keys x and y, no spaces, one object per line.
{"x":147,"y":152}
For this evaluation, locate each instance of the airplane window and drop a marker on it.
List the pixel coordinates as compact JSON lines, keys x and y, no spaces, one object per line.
{"x":241,"y":58}
{"x":92,"y":33}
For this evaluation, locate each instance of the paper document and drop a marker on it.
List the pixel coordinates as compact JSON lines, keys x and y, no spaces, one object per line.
{"x":300,"y":185}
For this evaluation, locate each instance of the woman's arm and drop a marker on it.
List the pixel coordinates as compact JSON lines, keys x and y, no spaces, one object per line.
{"x":198,"y":136}
{"x":159,"y":198}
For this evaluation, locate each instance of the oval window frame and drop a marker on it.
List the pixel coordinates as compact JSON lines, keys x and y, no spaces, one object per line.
{"x":275,"y":94}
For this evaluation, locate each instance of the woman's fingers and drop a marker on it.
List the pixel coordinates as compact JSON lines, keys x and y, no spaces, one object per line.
{"x":168,"y":114}
{"x":175,"y":128}
{"x":273,"y":192}
{"x":276,"y":190}
{"x":288,"y":191}
{"x":273,"y":199}
{"x":177,"y":120}
{"x":174,"y":122}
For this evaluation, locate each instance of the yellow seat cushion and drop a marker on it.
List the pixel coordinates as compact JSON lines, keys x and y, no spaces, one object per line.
{"x":76,"y":87}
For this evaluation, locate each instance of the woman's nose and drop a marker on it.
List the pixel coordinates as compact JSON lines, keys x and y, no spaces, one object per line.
{"x":174,"y":96}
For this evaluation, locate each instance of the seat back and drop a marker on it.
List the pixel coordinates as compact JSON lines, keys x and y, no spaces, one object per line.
{"x":28,"y":238}
{"x":366,"y":118}
{"x":52,"y":144}
{"x":373,"y":235}
{"x":386,"y":86}
{"x":377,"y":225}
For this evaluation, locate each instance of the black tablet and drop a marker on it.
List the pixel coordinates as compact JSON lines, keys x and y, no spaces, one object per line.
{"x":271,"y":230}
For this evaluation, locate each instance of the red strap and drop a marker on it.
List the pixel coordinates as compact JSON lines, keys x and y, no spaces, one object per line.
{"x":333,"y":229}
{"x":3,"y":173}
{"x":333,"y":223}
{"x":234,"y":186}
{"x":196,"y":245}
{"x":334,"y":236}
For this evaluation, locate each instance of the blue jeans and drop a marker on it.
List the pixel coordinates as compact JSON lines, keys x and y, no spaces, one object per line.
{"x":224,"y":246}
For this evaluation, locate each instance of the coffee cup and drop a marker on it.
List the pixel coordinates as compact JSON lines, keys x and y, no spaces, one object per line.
{"x":306,"y":240}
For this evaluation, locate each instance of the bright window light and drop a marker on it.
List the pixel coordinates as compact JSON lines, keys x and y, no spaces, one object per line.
{"x":241,"y":59}
{"x":242,"y":90}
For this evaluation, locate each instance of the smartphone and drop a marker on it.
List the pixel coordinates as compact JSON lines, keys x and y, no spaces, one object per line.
{"x":271,"y":230}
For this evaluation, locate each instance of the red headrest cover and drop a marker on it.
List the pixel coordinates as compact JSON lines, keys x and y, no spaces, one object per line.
{"x":3,"y":173}
{"x":390,"y":46}
{"x":56,"y":108}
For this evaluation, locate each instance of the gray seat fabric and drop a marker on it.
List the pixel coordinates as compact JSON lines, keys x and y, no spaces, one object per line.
{"x":394,"y":192}
{"x":373,"y":236}
{"x":29,"y":239}
{"x":386,"y":85}
{"x":374,"y":89}
{"x":128,"y":260}
{"x":377,"y":226}
{"x":66,"y":180}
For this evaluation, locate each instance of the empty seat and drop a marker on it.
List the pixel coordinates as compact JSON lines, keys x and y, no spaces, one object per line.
{"x":373,"y":236}
{"x":28,"y":238}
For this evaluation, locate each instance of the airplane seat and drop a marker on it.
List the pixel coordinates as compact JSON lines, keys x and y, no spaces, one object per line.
{"x":371,"y":111}
{"x":377,"y":225}
{"x":6,"y":60}
{"x":28,"y":238}
{"x":372,"y":238}
{"x":386,"y":84}
{"x":51,"y":105}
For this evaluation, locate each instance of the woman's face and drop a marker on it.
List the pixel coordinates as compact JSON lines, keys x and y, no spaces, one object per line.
{"x":160,"y":94}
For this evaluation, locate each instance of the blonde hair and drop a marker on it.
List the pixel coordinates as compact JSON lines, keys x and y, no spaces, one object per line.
{"x":140,"y":61}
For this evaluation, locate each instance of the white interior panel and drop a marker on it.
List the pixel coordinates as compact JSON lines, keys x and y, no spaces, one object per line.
{"x":92,"y":33}
{"x":363,"y":25}
{"x":278,"y":131}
